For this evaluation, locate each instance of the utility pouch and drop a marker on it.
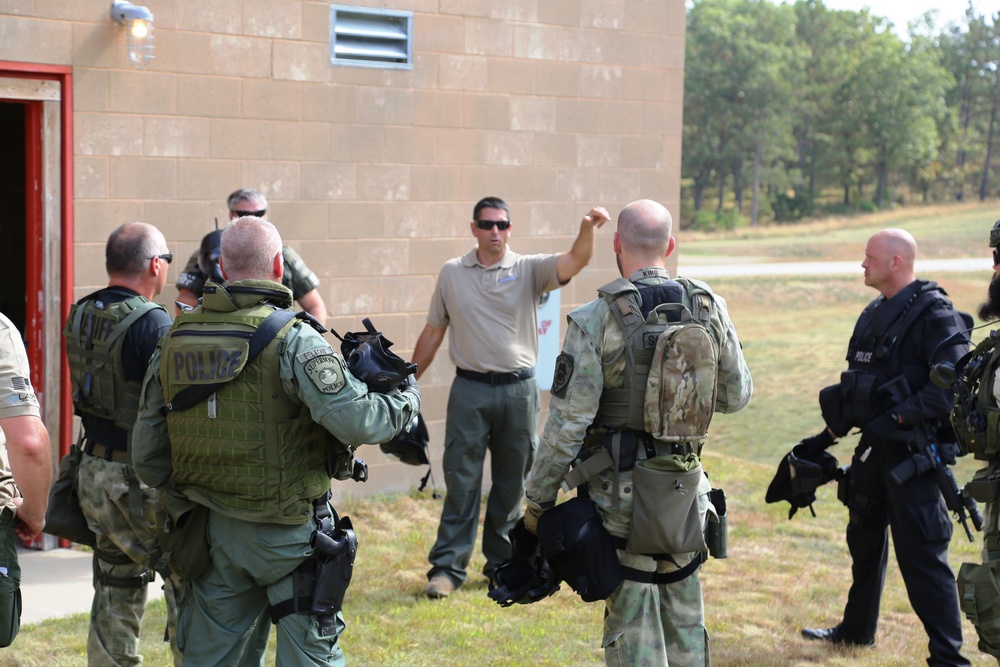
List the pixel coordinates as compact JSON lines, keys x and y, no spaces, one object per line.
{"x":627,"y":443}
{"x":716,"y":528}
{"x":665,"y":514}
{"x":984,"y":486}
{"x":979,"y":598}
{"x":335,"y":553}
{"x":579,"y":549}
{"x":10,"y":582}
{"x":858,"y":394}
{"x":182,"y":533}
{"x":63,"y":517}
{"x":10,"y":609}
{"x":844,"y":485}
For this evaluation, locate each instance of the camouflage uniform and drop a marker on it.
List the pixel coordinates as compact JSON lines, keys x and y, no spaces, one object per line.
{"x":297,"y":276}
{"x":645,"y":624}
{"x":256,"y":541}
{"x":123,"y":523}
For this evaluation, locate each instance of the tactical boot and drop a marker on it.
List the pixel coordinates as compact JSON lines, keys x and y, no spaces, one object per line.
{"x":835,"y":635}
{"x":438,"y":587}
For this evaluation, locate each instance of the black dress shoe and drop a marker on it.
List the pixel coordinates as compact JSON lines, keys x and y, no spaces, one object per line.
{"x":835,"y":636}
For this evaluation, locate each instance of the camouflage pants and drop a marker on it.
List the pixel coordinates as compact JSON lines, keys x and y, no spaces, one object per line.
{"x":655,"y":625}
{"x":125,"y":543}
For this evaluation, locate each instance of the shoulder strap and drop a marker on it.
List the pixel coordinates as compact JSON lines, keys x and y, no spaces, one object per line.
{"x":191,"y":396}
{"x":138,"y":310}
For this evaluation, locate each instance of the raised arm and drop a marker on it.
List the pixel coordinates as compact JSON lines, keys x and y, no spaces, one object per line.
{"x":571,"y":263}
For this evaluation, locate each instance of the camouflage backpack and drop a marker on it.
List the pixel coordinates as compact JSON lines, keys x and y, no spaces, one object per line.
{"x":671,"y":364}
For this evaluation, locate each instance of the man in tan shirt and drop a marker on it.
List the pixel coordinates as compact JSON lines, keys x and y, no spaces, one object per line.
{"x":489,"y":297}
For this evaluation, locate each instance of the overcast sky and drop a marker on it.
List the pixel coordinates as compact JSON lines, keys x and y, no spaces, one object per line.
{"x":901,"y":12}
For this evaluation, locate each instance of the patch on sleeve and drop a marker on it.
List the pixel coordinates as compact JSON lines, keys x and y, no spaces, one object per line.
{"x":563,"y":374}
{"x":324,"y":368}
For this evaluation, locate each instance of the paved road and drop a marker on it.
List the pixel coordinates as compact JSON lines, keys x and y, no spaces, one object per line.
{"x":923,"y":267}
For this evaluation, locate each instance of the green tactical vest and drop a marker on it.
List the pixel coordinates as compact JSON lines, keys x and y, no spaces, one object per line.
{"x":624,"y":407}
{"x":94,"y":334}
{"x":251,"y":450}
{"x":974,"y":415}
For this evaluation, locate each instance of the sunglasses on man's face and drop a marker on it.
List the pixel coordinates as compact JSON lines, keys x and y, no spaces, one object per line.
{"x":166,"y":257}
{"x":256,"y":214}
{"x":487,"y":225}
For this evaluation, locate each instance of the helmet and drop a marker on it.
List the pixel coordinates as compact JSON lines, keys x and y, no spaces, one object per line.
{"x":525,"y":577}
{"x":370,"y":360}
{"x":208,"y":256}
{"x":995,"y":235}
{"x":410,"y":446}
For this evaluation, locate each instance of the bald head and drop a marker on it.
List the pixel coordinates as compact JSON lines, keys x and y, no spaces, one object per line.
{"x":889,"y":260}
{"x":644,"y":235}
{"x":130,"y":247}
{"x":249,"y":247}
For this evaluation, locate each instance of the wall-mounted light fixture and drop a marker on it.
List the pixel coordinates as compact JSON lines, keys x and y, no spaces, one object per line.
{"x":138,"y":20}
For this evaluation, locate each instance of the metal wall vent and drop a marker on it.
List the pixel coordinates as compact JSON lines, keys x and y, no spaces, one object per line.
{"x":370,"y":37}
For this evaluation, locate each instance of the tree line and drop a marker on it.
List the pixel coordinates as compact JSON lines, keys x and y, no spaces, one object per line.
{"x":793,"y":110}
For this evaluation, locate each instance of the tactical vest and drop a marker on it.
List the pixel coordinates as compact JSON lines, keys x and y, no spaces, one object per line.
{"x":249,"y":448}
{"x":95,"y":333}
{"x":873,"y":357}
{"x":975,"y":415}
{"x":623,"y":408}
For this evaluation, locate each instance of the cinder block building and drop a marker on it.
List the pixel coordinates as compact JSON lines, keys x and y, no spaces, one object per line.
{"x":372,"y":128}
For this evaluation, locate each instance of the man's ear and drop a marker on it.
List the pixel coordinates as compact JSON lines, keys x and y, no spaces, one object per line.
{"x":616,"y":243}
{"x":279,"y":266}
{"x":671,"y":244}
{"x":222,"y":269}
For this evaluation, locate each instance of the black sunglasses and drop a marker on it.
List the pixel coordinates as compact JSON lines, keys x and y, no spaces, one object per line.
{"x":166,"y":257}
{"x":486,"y":225}
{"x":256,"y":214}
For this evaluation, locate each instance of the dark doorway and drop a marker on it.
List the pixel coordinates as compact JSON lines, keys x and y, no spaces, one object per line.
{"x":13,"y":250}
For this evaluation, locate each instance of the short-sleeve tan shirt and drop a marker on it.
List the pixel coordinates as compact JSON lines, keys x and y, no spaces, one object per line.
{"x":17,"y":397}
{"x":492,"y":310}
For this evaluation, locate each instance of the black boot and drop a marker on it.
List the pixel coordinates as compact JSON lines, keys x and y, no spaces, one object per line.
{"x":835,"y":636}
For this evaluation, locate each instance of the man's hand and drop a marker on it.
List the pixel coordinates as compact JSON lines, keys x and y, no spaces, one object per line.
{"x":596,"y":217}
{"x":817,"y":444}
{"x":531,"y":514}
{"x":28,"y":527}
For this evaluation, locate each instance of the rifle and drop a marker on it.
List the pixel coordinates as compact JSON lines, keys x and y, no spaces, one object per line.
{"x":927,"y":457}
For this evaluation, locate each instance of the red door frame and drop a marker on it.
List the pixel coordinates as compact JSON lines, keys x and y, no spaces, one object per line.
{"x":64,"y":75}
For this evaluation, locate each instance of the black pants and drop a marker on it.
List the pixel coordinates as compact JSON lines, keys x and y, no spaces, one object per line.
{"x":921,"y":531}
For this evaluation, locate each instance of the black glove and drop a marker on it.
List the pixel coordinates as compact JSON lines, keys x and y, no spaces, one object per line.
{"x":409,"y":386}
{"x":814,"y":446}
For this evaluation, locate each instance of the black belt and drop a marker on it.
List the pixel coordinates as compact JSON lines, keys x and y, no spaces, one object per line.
{"x":105,"y":452}
{"x":494,"y":379}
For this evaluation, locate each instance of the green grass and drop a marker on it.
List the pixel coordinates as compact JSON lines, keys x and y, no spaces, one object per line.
{"x":781,"y":575}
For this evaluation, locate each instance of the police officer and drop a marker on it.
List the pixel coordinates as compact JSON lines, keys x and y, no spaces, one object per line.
{"x":656,"y":615}
{"x":887,"y":393}
{"x":199,"y":269}
{"x":976,"y":399}
{"x":110,"y":336}
{"x":25,"y":470}
{"x":258,"y":452}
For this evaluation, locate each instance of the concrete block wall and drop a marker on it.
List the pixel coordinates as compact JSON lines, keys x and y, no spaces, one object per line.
{"x":554,"y":105}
